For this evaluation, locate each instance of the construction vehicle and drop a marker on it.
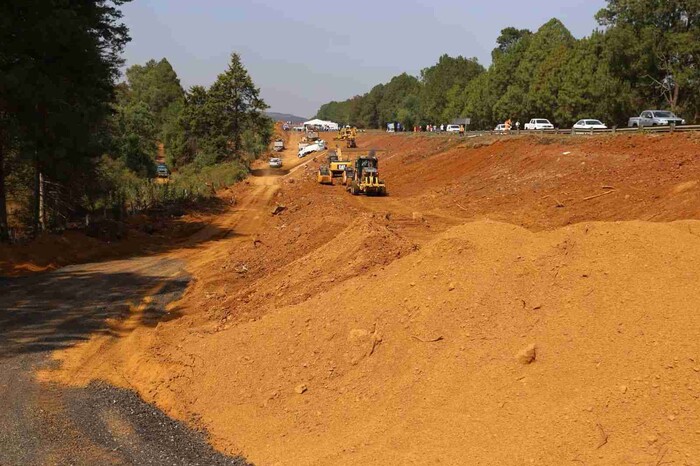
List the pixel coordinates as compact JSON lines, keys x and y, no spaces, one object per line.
{"x":350,"y":137}
{"x":324,"y":175}
{"x":278,"y":146}
{"x":342,"y":132}
{"x":347,"y":134}
{"x":337,"y":163}
{"x":365,"y":177}
{"x":348,"y":175}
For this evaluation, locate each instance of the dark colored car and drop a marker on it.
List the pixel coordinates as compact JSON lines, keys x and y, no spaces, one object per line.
{"x":162,"y":171}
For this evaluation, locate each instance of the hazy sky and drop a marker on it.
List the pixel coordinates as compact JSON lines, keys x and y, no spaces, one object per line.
{"x":307,"y":52}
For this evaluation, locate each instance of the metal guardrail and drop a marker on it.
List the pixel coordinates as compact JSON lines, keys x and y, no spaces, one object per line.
{"x":571,"y":131}
{"x":562,"y":132}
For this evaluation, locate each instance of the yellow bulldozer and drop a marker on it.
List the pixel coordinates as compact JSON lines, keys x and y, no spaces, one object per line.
{"x":349,"y":135}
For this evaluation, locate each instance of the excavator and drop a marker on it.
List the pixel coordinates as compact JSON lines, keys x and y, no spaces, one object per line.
{"x":364,"y":177}
{"x":337,"y":163}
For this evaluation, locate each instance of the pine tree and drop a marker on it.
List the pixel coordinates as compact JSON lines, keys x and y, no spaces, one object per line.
{"x":234,"y":102}
{"x":57,"y":69}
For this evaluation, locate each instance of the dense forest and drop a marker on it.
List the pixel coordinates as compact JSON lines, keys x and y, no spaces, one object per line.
{"x":75,"y":142}
{"x":644,"y":54}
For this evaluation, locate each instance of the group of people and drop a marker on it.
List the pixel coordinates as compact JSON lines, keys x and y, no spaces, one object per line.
{"x":435,"y":128}
{"x":508,"y":125}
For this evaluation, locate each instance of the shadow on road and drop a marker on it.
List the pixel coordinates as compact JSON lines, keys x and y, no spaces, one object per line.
{"x":259,"y":172}
{"x":52,"y":424}
{"x":59,"y":309}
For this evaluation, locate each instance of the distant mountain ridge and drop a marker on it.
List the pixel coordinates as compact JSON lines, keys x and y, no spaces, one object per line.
{"x":286,"y":117}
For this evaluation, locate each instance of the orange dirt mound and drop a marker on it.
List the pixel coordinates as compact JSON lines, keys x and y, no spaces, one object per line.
{"x":418,"y":362}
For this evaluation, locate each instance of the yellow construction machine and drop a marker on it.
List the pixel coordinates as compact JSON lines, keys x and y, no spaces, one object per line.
{"x":324,"y":175}
{"x":342,"y":133}
{"x":350,"y":137}
{"x":347,"y":134}
{"x":337,"y":163}
{"x":364,"y":178}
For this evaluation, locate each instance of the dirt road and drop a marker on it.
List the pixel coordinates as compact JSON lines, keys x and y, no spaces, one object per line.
{"x":45,"y":423}
{"x":48,"y":423}
{"x":42,"y":422}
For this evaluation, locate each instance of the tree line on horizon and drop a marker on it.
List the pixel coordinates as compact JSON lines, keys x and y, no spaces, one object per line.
{"x":645,"y":54}
{"x":75,"y":141}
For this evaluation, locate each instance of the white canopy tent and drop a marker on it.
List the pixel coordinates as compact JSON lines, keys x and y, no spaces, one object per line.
{"x":327,"y":125}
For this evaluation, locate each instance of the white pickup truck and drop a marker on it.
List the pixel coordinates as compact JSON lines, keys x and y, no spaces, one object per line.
{"x":539,"y":123}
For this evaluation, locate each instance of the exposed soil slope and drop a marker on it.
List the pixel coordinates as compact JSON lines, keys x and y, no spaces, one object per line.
{"x":522,"y":180}
{"x":351,"y":330}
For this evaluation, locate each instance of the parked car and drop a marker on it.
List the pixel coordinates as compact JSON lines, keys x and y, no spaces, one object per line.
{"x":452,"y":128}
{"x":590,"y":124}
{"x":655,"y":118}
{"x":500,"y":127}
{"x":162,"y":171}
{"x":275,"y":162}
{"x":539,"y":123}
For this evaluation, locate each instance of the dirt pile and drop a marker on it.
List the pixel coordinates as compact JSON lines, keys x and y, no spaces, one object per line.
{"x":420,"y":360}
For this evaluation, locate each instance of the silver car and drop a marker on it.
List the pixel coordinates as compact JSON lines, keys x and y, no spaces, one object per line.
{"x":655,"y":118}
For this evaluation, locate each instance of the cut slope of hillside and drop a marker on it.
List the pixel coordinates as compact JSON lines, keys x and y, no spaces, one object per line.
{"x":545,"y":182}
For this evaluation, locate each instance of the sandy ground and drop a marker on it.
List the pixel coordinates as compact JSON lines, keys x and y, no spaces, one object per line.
{"x":524,"y":300}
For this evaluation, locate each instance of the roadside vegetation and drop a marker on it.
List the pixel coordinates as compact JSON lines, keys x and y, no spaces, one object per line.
{"x":645,"y":54}
{"x":78,"y":140}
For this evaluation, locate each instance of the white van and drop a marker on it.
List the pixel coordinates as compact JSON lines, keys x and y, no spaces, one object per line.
{"x":452,"y":128}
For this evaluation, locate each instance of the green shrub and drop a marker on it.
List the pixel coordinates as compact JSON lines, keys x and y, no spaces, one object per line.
{"x":124,"y":192}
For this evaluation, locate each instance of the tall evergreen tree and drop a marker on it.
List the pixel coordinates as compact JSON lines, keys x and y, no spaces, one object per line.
{"x":57,"y":69}
{"x":235,"y":102}
{"x":223,"y":123}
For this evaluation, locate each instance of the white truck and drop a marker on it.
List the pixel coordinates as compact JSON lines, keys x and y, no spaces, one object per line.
{"x":278,"y":145}
{"x":315,"y":147}
{"x":538,"y":124}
